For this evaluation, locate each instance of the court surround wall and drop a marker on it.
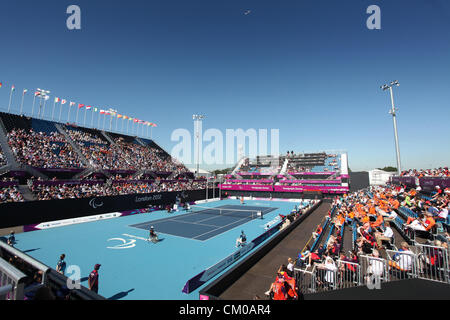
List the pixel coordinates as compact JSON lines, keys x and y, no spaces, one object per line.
{"x":34,"y":212}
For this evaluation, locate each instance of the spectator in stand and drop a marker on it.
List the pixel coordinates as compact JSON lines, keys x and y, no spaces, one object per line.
{"x":94,"y":278}
{"x":42,"y":150}
{"x":61,"y":265}
{"x":385,"y":236}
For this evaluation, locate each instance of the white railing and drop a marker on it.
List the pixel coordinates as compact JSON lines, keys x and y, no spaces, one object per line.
{"x":11,"y":282}
{"x":432,"y":262}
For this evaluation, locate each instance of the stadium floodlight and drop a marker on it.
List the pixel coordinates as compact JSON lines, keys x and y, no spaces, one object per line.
{"x":394,"y":119}
{"x":198,"y":118}
{"x":43,"y":94}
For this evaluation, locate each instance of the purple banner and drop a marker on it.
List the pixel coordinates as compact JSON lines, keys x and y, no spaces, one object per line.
{"x":324,"y":189}
{"x":311,"y":181}
{"x":429,"y":184}
{"x":410,"y":182}
{"x":4,"y":184}
{"x":74,"y":170}
{"x":311,"y":173}
{"x":250,"y":180}
{"x":246,"y":187}
{"x":62,"y":182}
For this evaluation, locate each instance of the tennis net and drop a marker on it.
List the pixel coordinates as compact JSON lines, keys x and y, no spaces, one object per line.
{"x":238,"y":213}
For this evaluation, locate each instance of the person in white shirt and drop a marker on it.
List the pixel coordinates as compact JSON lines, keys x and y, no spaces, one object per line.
{"x":403,"y":260}
{"x":385,"y":236}
{"x":391,"y":217}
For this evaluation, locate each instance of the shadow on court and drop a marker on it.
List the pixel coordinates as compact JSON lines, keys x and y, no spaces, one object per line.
{"x":31,"y":250}
{"x":120,"y":295}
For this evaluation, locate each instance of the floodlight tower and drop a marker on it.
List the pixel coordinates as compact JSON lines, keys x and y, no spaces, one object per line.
{"x":198,"y":119}
{"x":393,"y":113}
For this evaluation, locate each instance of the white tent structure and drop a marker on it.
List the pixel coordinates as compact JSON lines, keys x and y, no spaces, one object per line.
{"x":379,"y":177}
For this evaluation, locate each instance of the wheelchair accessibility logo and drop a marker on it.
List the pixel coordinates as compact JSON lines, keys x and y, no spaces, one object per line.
{"x":124,"y":244}
{"x":95,"y":204}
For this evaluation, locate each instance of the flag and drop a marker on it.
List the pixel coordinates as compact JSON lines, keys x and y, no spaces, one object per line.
{"x":37,"y":93}
{"x":46,"y":98}
{"x":1,"y":84}
{"x":88,"y":107}
{"x":154,"y":125}
{"x":57,"y":100}
{"x":80,"y":106}
{"x":119,"y":116}
{"x":63,"y":101}
{"x":135,"y":120}
{"x":25,"y":91}
{"x":13,"y":88}
{"x":125,"y":117}
{"x":72,"y":103}
{"x":95,"y":109}
{"x":102,"y":111}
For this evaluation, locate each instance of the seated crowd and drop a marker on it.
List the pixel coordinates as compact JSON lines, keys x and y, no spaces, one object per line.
{"x":10,"y":194}
{"x":39,"y":149}
{"x":2,"y":159}
{"x":85,"y":190}
{"x":372,"y":217}
{"x":439,"y":172}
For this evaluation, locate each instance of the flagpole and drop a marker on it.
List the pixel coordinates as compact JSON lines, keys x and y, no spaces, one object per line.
{"x":21,"y":105}
{"x":68,"y":114}
{"x":92,"y":118}
{"x":32,"y":109}
{"x":10,"y":98}
{"x":43,"y":112}
{"x":40,"y":105}
{"x":104,"y":119}
{"x":85,"y":117}
{"x":60,"y":112}
{"x":98,"y":121}
{"x":53,"y":111}
{"x":76,"y":119}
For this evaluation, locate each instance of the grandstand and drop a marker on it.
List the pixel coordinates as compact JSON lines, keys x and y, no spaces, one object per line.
{"x":371,"y":238}
{"x":292,"y":175}
{"x":70,"y":174}
{"x":66,"y":157}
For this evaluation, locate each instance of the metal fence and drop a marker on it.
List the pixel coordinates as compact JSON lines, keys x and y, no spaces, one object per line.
{"x":424,"y":262}
{"x":375,"y":270}
{"x":11,"y":282}
{"x":402,"y":265}
{"x":432,"y":262}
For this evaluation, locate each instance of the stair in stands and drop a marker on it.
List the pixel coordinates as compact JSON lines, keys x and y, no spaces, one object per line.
{"x":10,"y":158}
{"x":107,"y":137}
{"x":26,"y":193}
{"x":142,"y":143}
{"x":89,"y":167}
{"x":62,"y":130}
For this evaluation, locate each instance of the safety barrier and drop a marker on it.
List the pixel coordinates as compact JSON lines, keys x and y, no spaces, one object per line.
{"x":402,"y":265}
{"x":306,"y":280}
{"x":433,"y":263}
{"x":375,"y":270}
{"x":349,"y":274}
{"x":12,"y":282}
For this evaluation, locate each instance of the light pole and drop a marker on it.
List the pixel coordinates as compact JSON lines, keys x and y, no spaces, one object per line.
{"x":393,"y":113}
{"x":43,"y":94}
{"x":112,"y":111}
{"x":198,"y":119}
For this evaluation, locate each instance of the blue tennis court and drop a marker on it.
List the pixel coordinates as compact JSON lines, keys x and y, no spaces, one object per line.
{"x":205,"y":223}
{"x":134,"y":268}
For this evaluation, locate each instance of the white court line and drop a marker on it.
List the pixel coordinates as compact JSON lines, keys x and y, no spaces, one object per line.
{"x":220,"y":228}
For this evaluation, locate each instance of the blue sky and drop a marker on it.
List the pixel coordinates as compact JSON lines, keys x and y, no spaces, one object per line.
{"x":309,"y":68}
